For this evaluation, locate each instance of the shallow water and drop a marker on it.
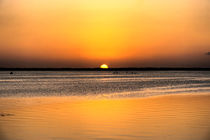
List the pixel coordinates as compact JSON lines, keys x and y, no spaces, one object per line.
{"x":172,"y":117}
{"x":103,"y":105}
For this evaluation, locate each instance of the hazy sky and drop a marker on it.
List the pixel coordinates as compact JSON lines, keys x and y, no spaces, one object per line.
{"x":121,"y":33}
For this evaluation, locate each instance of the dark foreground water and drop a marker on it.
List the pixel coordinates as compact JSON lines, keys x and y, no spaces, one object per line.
{"x":105,"y":105}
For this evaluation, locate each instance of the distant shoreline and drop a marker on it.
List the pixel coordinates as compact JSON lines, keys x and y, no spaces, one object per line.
{"x":110,"y":69}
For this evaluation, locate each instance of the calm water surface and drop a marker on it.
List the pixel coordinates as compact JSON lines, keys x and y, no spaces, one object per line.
{"x":105,"y":105}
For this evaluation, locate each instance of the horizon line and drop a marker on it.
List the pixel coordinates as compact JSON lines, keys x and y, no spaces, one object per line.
{"x":109,"y":69}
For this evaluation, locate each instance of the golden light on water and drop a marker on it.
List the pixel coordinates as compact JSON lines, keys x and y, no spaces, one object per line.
{"x":104,"y":66}
{"x":88,"y":119}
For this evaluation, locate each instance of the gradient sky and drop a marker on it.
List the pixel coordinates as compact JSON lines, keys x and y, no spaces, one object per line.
{"x":121,"y":33}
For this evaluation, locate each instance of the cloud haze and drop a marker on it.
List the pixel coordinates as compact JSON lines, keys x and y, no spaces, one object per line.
{"x":86,"y":33}
{"x":208,"y":53}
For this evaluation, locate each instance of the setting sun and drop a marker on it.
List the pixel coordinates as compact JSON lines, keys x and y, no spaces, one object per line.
{"x":104,"y":66}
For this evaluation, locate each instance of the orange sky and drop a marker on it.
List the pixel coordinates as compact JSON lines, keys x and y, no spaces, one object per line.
{"x":121,"y":33}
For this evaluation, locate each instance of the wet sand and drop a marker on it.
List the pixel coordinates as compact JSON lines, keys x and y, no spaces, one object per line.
{"x":168,"y":117}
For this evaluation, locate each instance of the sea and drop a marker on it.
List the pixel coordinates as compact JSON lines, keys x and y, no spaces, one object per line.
{"x":105,"y":105}
{"x":107,"y":84}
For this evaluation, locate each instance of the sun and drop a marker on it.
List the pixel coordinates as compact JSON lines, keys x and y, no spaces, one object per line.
{"x":104,"y":66}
